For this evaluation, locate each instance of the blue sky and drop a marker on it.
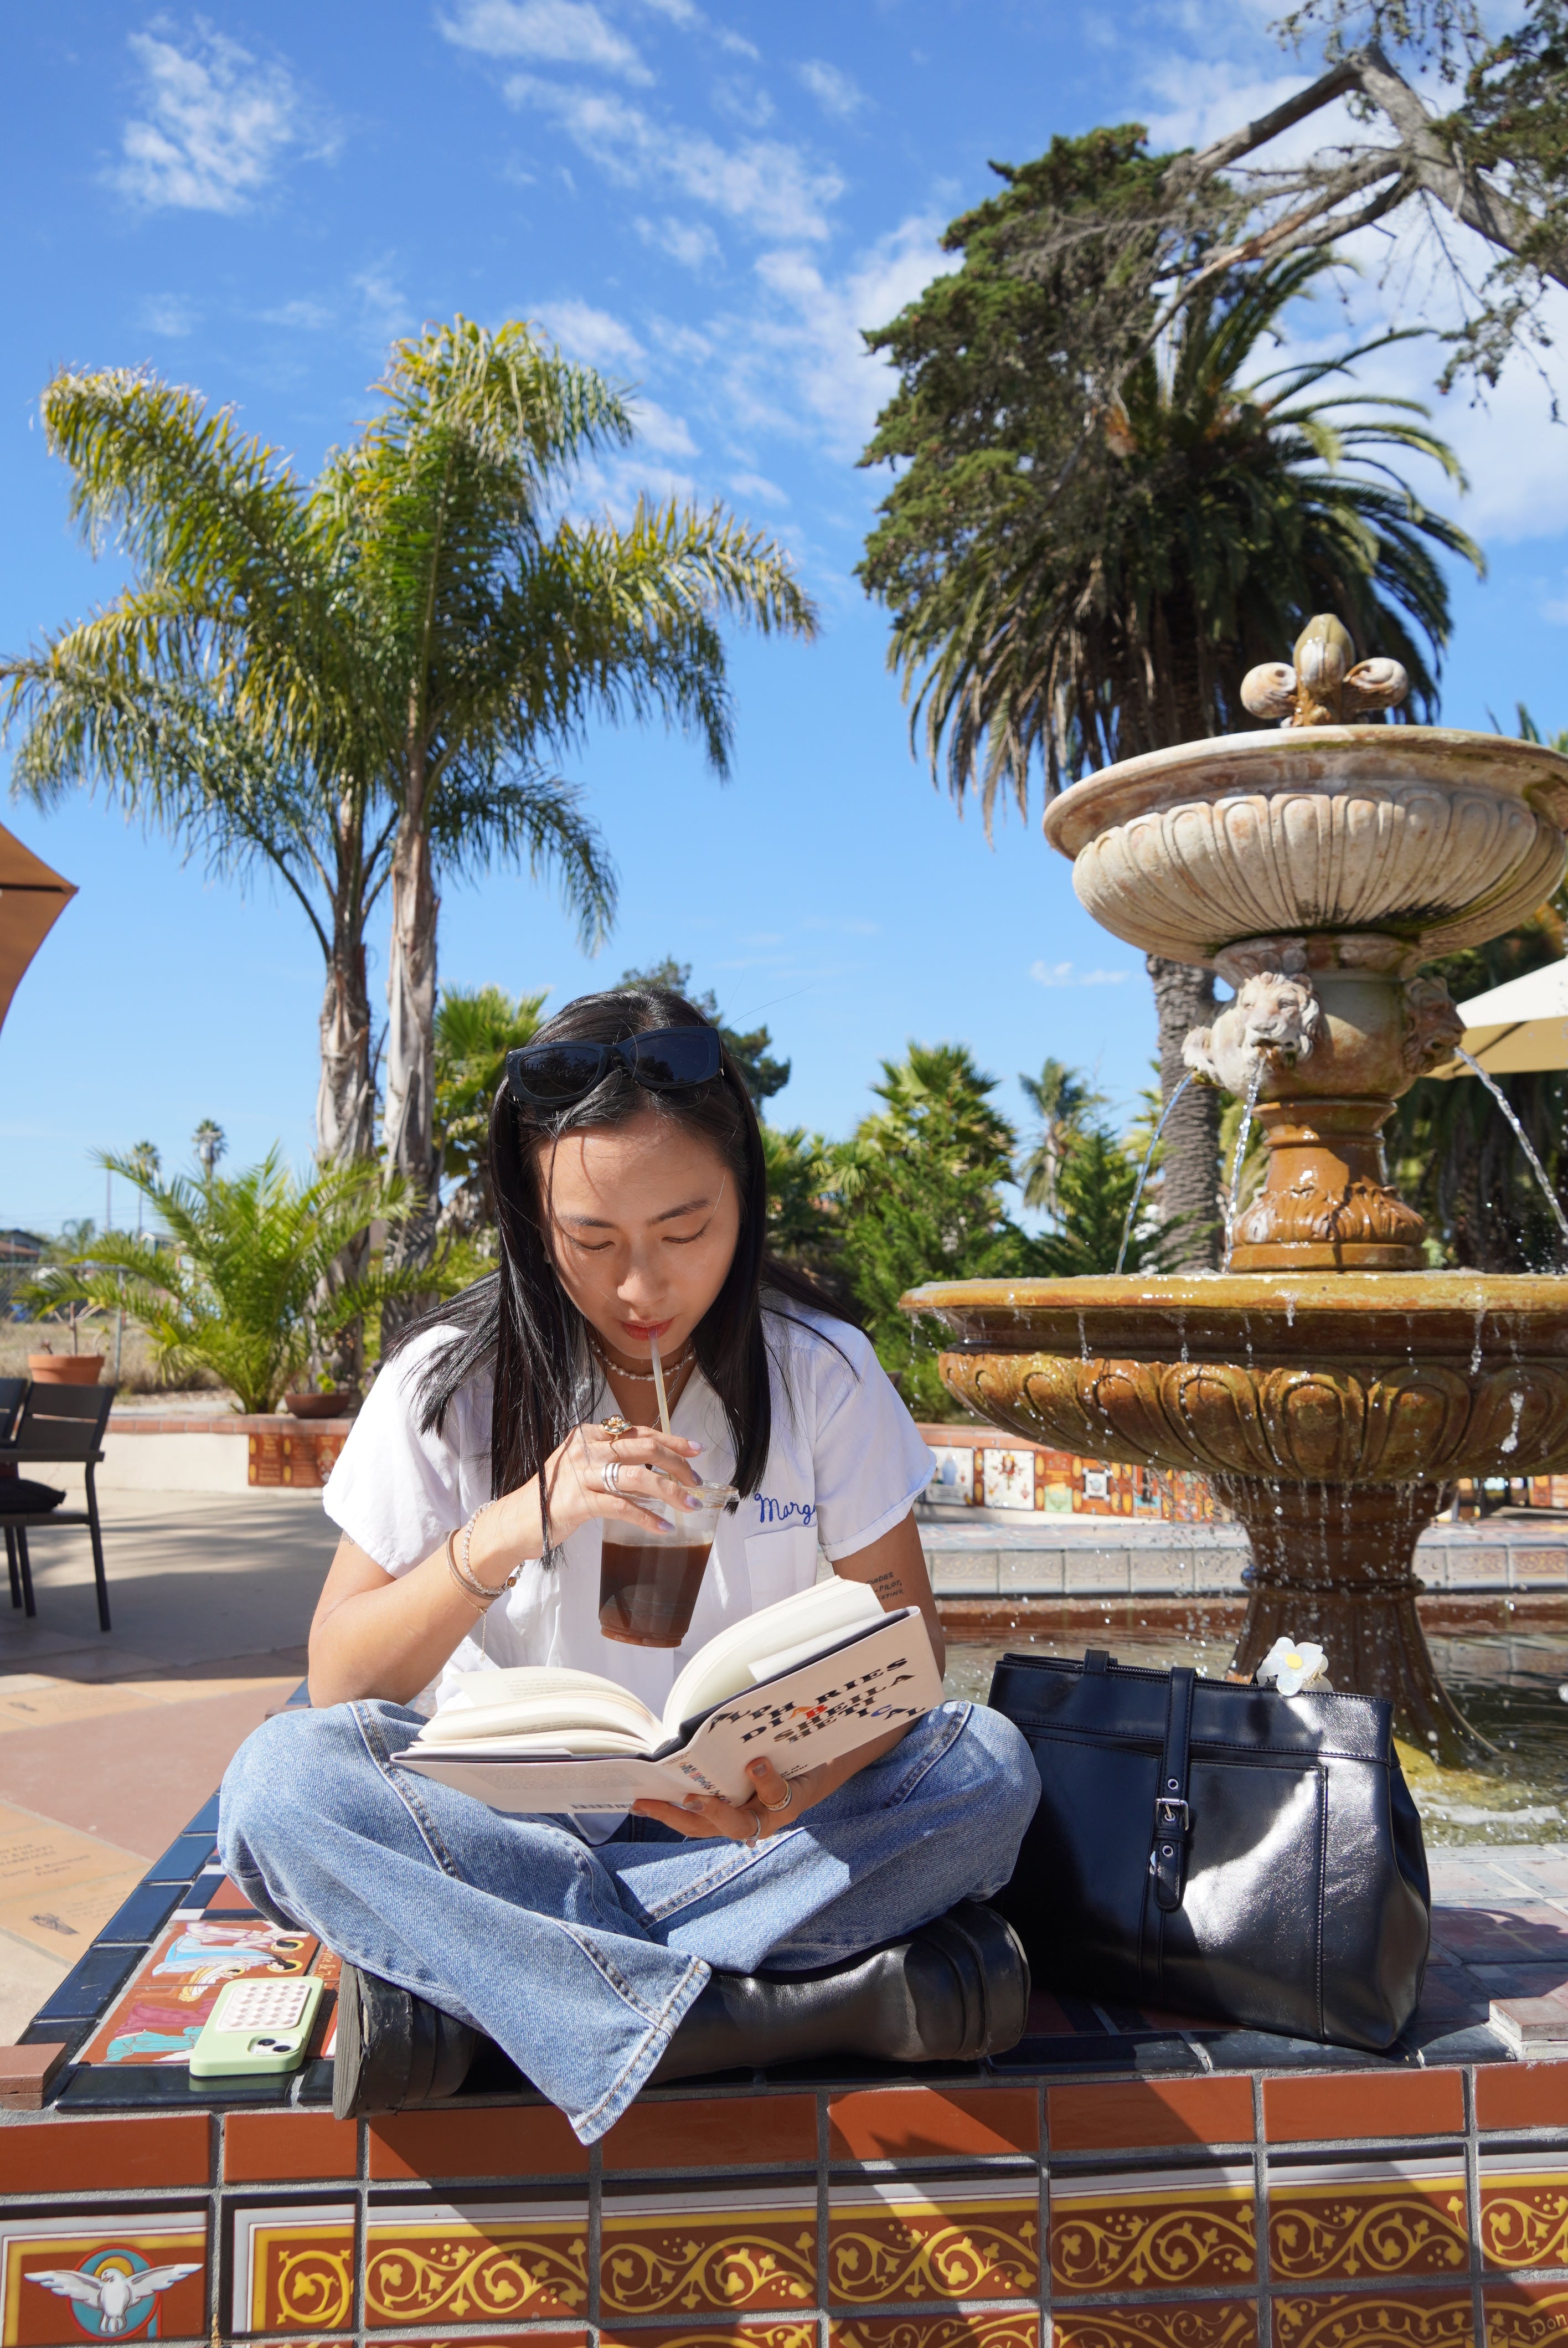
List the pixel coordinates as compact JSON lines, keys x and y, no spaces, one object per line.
{"x":707,"y":202}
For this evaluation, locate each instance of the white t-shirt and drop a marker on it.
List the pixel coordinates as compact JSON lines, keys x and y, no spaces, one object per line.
{"x":843,"y":1465}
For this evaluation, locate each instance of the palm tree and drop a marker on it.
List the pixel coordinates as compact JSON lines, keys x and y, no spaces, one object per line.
{"x":1061,"y":1100}
{"x":363,"y":682}
{"x":1066,"y":623}
{"x":499,"y":635}
{"x":476,"y":1027}
{"x":246,"y":1279}
{"x":216,"y":696}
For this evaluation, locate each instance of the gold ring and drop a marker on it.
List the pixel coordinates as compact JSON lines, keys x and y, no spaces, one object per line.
{"x":776,"y":1806}
{"x":616,"y":1427}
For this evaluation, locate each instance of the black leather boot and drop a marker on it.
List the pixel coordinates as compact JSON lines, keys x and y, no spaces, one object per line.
{"x":953,"y":1991}
{"x":393,"y":2049}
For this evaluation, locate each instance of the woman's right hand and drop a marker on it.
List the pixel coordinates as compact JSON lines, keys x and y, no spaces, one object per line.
{"x":651,"y":1466}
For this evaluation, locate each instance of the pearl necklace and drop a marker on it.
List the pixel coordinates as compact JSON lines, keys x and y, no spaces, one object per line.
{"x":638,"y":1377}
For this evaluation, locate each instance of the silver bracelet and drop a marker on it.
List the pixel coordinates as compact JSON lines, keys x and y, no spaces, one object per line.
{"x":482,"y":1593}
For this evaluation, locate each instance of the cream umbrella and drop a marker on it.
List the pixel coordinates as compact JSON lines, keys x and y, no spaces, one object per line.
{"x":1518,"y":1027}
{"x":32,"y":900}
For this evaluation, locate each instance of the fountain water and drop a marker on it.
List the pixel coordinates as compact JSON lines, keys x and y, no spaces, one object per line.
{"x":1506,"y":1105}
{"x":1328,"y":1386}
{"x":1190,"y":1079}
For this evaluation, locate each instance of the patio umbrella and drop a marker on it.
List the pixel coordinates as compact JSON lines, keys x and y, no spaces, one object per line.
{"x":1520,"y":1026}
{"x":32,"y":900}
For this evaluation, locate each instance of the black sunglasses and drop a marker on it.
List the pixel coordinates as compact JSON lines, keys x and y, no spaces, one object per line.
{"x":667,"y":1059}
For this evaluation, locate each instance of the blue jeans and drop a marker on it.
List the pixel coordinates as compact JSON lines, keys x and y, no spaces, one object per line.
{"x":581,"y":1960}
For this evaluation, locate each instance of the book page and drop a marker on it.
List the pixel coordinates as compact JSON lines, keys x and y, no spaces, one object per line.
{"x":881,"y":1678}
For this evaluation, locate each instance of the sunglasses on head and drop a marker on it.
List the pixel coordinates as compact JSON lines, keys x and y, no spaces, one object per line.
{"x":667,"y":1059}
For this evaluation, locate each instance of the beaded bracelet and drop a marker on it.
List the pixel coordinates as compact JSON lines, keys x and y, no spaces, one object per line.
{"x":481,"y":1592}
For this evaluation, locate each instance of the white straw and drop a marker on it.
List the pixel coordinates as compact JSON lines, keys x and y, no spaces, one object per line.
{"x":659,"y":1384}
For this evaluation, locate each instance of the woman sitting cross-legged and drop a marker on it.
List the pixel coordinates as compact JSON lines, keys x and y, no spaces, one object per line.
{"x":836,"y":1912}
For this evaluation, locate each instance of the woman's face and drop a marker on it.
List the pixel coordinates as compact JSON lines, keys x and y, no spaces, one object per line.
{"x":643,"y":1219}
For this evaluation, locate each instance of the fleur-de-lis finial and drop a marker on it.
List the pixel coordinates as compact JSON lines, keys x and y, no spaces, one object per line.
{"x":1328,"y":685}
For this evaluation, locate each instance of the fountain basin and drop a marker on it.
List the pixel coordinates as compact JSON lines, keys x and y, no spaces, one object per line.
{"x":1425,"y":836}
{"x":1327,"y":1410}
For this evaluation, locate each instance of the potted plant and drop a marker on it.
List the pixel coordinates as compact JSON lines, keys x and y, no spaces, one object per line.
{"x":325,"y":1399}
{"x":48,"y":1368}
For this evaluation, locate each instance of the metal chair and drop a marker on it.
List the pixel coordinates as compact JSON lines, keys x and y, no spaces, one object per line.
{"x":56,"y":1426}
{"x":13,"y":1394}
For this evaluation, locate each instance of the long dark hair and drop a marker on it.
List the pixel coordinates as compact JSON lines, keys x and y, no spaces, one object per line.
{"x":520,"y":1323}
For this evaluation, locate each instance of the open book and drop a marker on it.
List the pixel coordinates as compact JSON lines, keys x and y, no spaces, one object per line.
{"x":806,"y":1681}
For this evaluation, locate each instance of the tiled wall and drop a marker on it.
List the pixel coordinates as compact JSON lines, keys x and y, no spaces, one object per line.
{"x":1359,"y":2209}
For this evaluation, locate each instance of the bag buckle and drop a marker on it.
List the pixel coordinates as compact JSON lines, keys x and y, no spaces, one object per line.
{"x":1171,"y":1816}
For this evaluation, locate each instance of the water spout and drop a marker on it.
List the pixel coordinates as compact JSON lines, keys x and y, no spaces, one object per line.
{"x":1144,"y":1169}
{"x":1536,"y":1167}
{"x":1234,"y":1200}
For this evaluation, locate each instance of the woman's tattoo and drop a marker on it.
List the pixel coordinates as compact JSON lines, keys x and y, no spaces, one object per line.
{"x":887,"y":1585}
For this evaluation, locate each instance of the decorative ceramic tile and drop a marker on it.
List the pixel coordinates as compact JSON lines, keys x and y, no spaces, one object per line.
{"x":82,"y":2278}
{"x":928,"y":2123}
{"x":942,"y":2238}
{"x":952,"y":1483}
{"x":1013,"y":2327}
{"x":1179,"y":2324}
{"x":1526,"y":2315}
{"x":689,"y":2253}
{"x":1525,"y":2209}
{"x":1522,"y":2095}
{"x":785,"y":2334}
{"x":160,"y":2015}
{"x":1009,"y":1479}
{"x":1325,"y":2105}
{"x":287,"y":2147}
{"x":424,"y":2262}
{"x":293,"y":2268}
{"x":1355,"y":2220}
{"x":115,"y":2155}
{"x":510,"y":2142}
{"x":1117,"y":2115}
{"x":1376,"y":2320}
{"x":1154,"y":2229}
{"x":728,"y":2132}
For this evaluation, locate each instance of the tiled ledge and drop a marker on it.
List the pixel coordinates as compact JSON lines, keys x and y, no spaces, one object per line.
{"x":1122,"y":2178}
{"x":1098,"y":1556}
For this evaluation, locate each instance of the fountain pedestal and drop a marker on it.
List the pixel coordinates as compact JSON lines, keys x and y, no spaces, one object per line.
{"x":1344,"y":1575}
{"x":1328,"y":1387}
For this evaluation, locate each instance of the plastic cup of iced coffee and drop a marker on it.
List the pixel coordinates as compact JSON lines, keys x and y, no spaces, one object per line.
{"x":647,"y":1580}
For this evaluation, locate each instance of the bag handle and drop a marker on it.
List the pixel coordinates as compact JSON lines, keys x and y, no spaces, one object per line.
{"x":1171,"y":1816}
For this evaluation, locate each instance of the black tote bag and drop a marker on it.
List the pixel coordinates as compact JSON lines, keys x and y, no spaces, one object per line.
{"x":1218,"y":1850}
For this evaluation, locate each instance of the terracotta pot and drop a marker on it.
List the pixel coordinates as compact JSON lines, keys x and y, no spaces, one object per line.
{"x":311,"y":1404}
{"x":65,"y":1369}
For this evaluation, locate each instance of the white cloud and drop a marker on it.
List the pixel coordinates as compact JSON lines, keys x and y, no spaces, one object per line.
{"x":550,"y":32}
{"x":306,"y":317}
{"x":757,"y":485}
{"x":809,"y":339}
{"x":764,"y":184}
{"x":589,"y":333}
{"x":835,"y":92}
{"x":691,"y":242}
{"x":1066,"y":973}
{"x":216,"y":122}
{"x":169,"y":314}
{"x":386,"y":309}
{"x":658,"y":429}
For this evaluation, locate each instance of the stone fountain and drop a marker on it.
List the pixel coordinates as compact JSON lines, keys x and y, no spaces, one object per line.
{"x":1328,"y":1386}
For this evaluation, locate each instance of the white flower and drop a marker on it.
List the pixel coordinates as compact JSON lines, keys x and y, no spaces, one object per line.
{"x":1290,"y":1668}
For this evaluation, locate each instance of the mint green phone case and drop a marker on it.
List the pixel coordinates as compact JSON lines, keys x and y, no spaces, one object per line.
{"x":258,"y":2025}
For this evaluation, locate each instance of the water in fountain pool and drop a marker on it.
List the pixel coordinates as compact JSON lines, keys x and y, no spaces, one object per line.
{"x":1511,"y":1684}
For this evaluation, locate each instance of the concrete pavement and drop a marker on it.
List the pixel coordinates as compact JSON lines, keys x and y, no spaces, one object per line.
{"x":108,"y":1743}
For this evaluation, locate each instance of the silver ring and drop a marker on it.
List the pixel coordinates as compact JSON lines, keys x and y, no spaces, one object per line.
{"x":756,"y":1832}
{"x":610,"y":1477}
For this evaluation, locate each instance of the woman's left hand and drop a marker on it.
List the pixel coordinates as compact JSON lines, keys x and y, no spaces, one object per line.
{"x":773,"y":1804}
